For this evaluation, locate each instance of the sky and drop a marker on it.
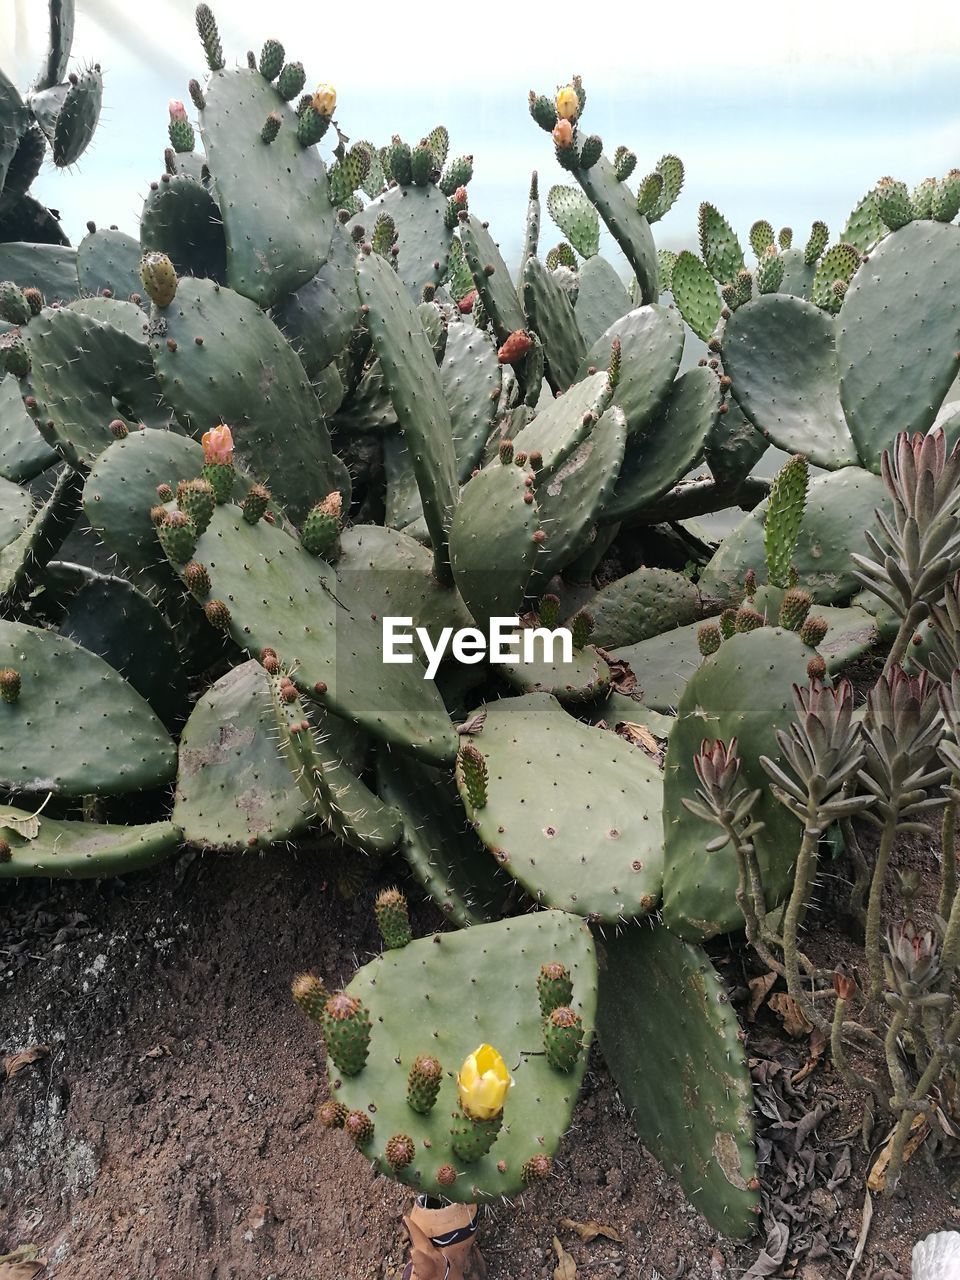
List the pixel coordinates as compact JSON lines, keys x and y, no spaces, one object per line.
{"x":776,"y":113}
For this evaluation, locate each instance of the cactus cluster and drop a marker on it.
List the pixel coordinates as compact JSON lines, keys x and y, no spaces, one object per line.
{"x":312,"y":397}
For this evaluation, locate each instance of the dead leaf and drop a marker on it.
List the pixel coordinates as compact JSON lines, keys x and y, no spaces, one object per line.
{"x":919,"y":1129}
{"x":29,"y":827}
{"x":759,"y":990}
{"x":566,"y":1268}
{"x":818,"y":1043}
{"x":15,"y":1062}
{"x":795,"y":1021}
{"x":638,"y":735}
{"x":864,"y":1233}
{"x":622,"y":679}
{"x":588,"y":1231}
{"x":20,"y":1270}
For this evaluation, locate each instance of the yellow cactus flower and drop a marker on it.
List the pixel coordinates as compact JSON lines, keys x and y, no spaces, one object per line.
{"x":482,"y":1083}
{"x":567,"y":103}
{"x":325,"y":100}
{"x":218,"y":445}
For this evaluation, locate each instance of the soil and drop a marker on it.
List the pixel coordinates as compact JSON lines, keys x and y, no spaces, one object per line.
{"x":170,"y":1130}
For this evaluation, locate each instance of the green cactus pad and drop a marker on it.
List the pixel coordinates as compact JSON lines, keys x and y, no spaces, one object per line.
{"x":686,"y":1083}
{"x":742,"y":692}
{"x":109,"y":260}
{"x":444,"y":855}
{"x":577,"y":219}
{"x":663,"y":664}
{"x":258,"y":570}
{"x":423,"y":238}
{"x":181,"y":218}
{"x":499,"y":297}
{"x":277,"y":217}
{"x":51,"y":268}
{"x":695,"y":293}
{"x":864,"y":226}
{"x":572,"y":499}
{"x":780,"y":353}
{"x":16,"y":511}
{"x":797,"y":274}
{"x":582,"y":679}
{"x":643,"y":604}
{"x":835,"y":267}
{"x":84,"y":850}
{"x":616,"y":205}
{"x":244,"y":373}
{"x":651,"y":342}
{"x":234,"y":788}
{"x":839,"y":508}
{"x":416,"y":1008}
{"x":897,"y":336}
{"x":22,"y":560}
{"x":550,"y":313}
{"x":78,"y":397}
{"x":76,"y":119}
{"x":719,"y":246}
{"x":668,"y":447}
{"x":319,"y":318}
{"x":410,"y":371}
{"x":77,"y":727}
{"x":492,"y":547}
{"x":602,"y":298}
{"x":595,"y":852}
{"x":472,"y":381}
{"x":565,"y":422}
{"x":23,"y":451}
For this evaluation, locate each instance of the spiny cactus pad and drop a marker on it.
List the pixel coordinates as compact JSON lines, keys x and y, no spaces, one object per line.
{"x":597,"y":852}
{"x":672,"y":1042}
{"x":416,"y":1009}
{"x":84,"y":850}
{"x":651,"y":345}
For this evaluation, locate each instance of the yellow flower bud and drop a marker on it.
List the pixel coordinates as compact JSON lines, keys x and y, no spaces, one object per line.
{"x":482,"y":1083}
{"x":325,"y":100}
{"x":568,"y":103}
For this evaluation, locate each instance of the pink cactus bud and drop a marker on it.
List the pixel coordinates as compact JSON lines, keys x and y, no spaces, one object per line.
{"x":460,"y":195}
{"x":177,"y":110}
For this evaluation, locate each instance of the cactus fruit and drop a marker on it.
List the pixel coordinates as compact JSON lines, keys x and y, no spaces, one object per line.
{"x":393,"y":918}
{"x":9,"y":684}
{"x":310,"y":994}
{"x":794,"y":608}
{"x":291,"y":81}
{"x":563,"y":1037}
{"x":320,"y":534}
{"x":271,"y":127}
{"x":515,"y":347}
{"x":220,"y":477}
{"x":197,"y":579}
{"x":159,"y":278}
{"x":254,"y":505}
{"x":195,"y":498}
{"x":813,"y":631}
{"x":747,"y":619}
{"x":400,"y":1151}
{"x":554,"y":987}
{"x":332,"y":1114}
{"x":563,"y":135}
{"x":709,"y":638}
{"x":423,"y":1083}
{"x":473,"y":770}
{"x":182,"y":137}
{"x":14,"y":307}
{"x":178,"y":536}
{"x":472,"y":1139}
{"x":346,"y":1027}
{"x":359,"y":1127}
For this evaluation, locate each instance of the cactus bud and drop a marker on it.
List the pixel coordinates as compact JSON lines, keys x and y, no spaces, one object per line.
{"x":182,"y":137}
{"x":119,"y":429}
{"x":34,"y":299}
{"x":400,"y":1151}
{"x":311,"y":126}
{"x":567,"y":103}
{"x":581,"y":628}
{"x":554,"y":987}
{"x":473,"y":771}
{"x":423,"y":1083}
{"x":813,"y":631}
{"x":747,"y":619}
{"x":709,"y":639}
{"x":310,"y":994}
{"x":393,"y":918}
{"x":548,"y":611}
{"x":159,"y":278}
{"x":750,"y":583}
{"x":197,"y":578}
{"x":324,"y":100}
{"x":320,"y":535}
{"x":505,"y":452}
{"x":794,"y":608}
{"x":271,"y":59}
{"x":591,"y":151}
{"x":178,"y":536}
{"x":515,"y":347}
{"x":536,"y":1169}
{"x":398,"y":160}
{"x":563,"y":1038}
{"x":563,"y":134}
{"x":9,"y":685}
{"x":195,"y":498}
{"x":217,"y":614}
{"x":291,"y":81}
{"x":164,"y":493}
{"x":346,"y":1027}
{"x":817,"y":668}
{"x":359,"y":1126}
{"x":728,"y":623}
{"x":332,"y":1114}
{"x":158,"y":516}
{"x":255,"y":504}
{"x":271,"y":127}
{"x":446,"y":1175}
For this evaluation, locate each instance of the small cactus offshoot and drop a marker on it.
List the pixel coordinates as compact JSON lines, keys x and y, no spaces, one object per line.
{"x":393,"y":918}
